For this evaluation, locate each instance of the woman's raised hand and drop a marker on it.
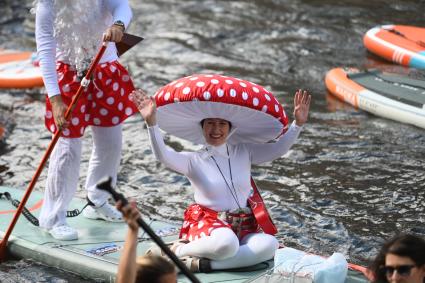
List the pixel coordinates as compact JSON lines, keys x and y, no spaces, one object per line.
{"x":301,"y":106}
{"x":146,"y":106}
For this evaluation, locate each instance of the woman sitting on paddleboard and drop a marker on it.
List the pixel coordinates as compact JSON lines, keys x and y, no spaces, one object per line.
{"x":230,"y":116}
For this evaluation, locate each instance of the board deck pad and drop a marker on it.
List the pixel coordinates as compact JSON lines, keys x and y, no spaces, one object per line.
{"x":96,"y":253}
{"x":404,"y":89}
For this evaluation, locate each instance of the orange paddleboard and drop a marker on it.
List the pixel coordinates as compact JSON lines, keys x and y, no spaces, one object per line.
{"x":19,"y":70}
{"x":404,"y":45}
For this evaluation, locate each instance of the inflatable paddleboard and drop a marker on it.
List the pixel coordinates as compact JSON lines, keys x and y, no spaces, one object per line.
{"x":403,"y":45}
{"x":388,"y":95}
{"x":19,"y":70}
{"x":95,"y":255}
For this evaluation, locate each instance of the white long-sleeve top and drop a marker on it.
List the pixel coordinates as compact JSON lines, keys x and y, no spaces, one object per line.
{"x":47,"y":49}
{"x":210,"y":188}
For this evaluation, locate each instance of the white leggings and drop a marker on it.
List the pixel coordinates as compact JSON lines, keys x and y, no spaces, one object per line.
{"x":64,"y":172}
{"x":225,"y":251}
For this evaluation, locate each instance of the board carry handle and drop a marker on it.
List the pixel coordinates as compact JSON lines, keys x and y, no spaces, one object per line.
{"x":84,"y":82}
{"x":106,"y":185}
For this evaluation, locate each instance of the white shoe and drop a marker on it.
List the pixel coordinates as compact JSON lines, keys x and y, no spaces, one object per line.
{"x":64,"y":233}
{"x":106,"y":212}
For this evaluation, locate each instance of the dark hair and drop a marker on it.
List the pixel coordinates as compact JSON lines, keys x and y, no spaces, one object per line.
{"x":203,"y":121}
{"x":150,"y":269}
{"x":404,"y":245}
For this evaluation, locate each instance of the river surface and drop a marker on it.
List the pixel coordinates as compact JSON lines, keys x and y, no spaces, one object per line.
{"x":351,"y":181}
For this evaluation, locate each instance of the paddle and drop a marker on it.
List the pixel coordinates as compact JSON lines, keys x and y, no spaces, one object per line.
{"x":106,"y":186}
{"x":84,"y":82}
{"x":418,"y":42}
{"x":127,"y":41}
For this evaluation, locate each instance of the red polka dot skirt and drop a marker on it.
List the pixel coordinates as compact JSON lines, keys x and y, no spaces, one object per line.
{"x":105,"y":102}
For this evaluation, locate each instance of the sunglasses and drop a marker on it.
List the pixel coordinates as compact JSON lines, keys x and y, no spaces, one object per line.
{"x":402,"y":270}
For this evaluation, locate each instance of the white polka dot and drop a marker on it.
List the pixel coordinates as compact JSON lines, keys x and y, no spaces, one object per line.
{"x":49,"y":114}
{"x":233,"y":93}
{"x":214,"y":81}
{"x":178,"y":85}
{"x":128,"y":111}
{"x":108,"y":81}
{"x":52,"y":128}
{"x":255,"y":89}
{"x":83,"y":108}
{"x":200,"y":84}
{"x":200,"y":224}
{"x":115,"y":120}
{"x":120,"y":106}
{"x":112,"y":68}
{"x":75,"y":121}
{"x":96,"y":121}
{"x":99,"y":94}
{"x":193,"y":79}
{"x":167,"y":96}
{"x":209,"y":76}
{"x":99,"y":75}
{"x":207,"y":95}
{"x":87,"y":117}
{"x":82,"y":130}
{"x":229,"y":82}
{"x":103,"y":65}
{"x":93,"y":105}
{"x":122,"y":91}
{"x":216,"y":224}
{"x":186,"y":90}
{"x":245,"y":95}
{"x":255,"y":101}
{"x":125,"y":78}
{"x":115,"y":86}
{"x":110,"y":100}
{"x":220,"y":92}
{"x":264,"y":109}
{"x":66,"y":132}
{"x":190,"y":238}
{"x":66,"y":88}
{"x":103,"y":112}
{"x":267,"y":97}
{"x":276,"y":108}
{"x":160,"y":94}
{"x":242,"y":84}
{"x":185,"y":224}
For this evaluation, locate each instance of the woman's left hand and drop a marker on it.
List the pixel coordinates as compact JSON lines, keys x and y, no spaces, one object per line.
{"x":114,"y":33}
{"x":301,"y":106}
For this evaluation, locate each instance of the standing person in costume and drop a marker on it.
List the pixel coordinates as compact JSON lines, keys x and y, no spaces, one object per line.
{"x":219,"y":230}
{"x":68,"y":36}
{"x":400,"y":260}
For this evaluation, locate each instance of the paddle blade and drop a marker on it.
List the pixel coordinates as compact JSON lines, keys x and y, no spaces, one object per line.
{"x":127,"y":42}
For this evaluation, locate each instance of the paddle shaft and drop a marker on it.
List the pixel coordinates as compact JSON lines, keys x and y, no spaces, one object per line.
{"x":106,"y":185}
{"x":3,"y":243}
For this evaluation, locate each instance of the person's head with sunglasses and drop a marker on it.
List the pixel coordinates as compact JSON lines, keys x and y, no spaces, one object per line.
{"x":401,"y":260}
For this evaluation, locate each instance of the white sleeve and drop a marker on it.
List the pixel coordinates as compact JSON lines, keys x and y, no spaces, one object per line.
{"x":120,"y":10}
{"x":261,"y":153}
{"x":177,"y":161}
{"x":46,"y":46}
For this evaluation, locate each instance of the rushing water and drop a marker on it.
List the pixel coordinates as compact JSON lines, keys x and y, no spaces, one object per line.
{"x":351,"y":181}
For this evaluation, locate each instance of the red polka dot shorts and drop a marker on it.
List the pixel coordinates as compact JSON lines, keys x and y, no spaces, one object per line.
{"x":105,"y":102}
{"x":200,"y":221}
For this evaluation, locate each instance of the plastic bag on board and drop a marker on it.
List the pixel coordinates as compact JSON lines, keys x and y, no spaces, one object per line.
{"x":298,"y":266}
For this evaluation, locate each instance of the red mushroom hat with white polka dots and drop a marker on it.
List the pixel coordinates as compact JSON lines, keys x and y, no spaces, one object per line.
{"x":254,"y":112}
